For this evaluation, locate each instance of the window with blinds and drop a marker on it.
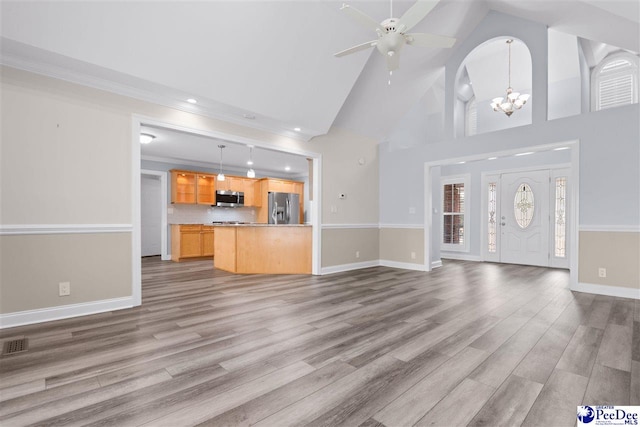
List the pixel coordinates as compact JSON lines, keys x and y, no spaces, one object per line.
{"x":453,"y":214}
{"x":615,"y":81}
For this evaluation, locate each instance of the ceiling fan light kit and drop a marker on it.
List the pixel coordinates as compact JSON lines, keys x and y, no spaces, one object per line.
{"x":392,"y":32}
{"x":514,"y":100}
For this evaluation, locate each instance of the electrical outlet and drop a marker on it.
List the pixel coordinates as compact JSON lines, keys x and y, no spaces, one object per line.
{"x":357,"y":254}
{"x":413,"y":255}
{"x":602,"y":272}
{"x":64,"y":289}
{"x":334,"y":209}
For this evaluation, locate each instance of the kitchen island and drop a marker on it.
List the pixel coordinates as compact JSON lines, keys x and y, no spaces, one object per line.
{"x":263,"y":248}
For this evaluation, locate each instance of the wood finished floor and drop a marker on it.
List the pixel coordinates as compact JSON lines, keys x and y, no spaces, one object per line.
{"x":467,"y":344}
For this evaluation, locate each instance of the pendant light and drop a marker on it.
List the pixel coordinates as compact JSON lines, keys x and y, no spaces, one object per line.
{"x":221,"y":175}
{"x":251,"y":173}
{"x":514,"y":100}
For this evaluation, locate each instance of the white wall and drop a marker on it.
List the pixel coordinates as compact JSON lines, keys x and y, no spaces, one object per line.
{"x":609,"y":154}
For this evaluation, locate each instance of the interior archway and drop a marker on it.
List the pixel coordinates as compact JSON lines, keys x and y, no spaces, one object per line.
{"x":485,"y":74}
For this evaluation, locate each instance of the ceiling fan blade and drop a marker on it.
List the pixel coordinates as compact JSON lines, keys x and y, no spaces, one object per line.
{"x":357,"y":48}
{"x":429,"y":40}
{"x":416,"y":13}
{"x":393,"y":62}
{"x":361,"y":17}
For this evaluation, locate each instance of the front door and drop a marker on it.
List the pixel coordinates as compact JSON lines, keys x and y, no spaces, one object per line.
{"x":524,"y":218}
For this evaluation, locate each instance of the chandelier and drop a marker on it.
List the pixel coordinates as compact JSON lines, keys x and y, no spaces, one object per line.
{"x":514,"y":100}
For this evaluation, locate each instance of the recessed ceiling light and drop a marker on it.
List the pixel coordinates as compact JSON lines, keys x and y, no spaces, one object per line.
{"x":524,"y":154}
{"x":287,"y":168}
{"x":146,"y":138}
{"x":561,"y":148}
{"x":461,"y":163}
{"x":249,"y":162}
{"x":492,"y":158}
{"x":192,"y":101}
{"x":297,"y":129}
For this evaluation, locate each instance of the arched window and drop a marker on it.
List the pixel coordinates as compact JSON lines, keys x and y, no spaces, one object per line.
{"x":614,"y":81}
{"x":471,"y":117}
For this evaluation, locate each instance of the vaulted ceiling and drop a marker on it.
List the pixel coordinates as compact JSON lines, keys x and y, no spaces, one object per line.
{"x":269,"y":64}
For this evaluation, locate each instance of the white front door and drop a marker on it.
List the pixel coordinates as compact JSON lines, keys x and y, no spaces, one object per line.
{"x":524,"y":218}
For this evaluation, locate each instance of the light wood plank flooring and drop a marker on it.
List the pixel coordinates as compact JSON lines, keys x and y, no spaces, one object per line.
{"x":467,"y":344}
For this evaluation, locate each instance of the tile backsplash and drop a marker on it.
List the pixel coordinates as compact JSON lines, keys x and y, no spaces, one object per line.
{"x":198,"y":214}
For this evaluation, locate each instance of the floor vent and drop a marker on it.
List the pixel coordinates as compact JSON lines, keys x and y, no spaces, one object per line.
{"x":15,"y":346}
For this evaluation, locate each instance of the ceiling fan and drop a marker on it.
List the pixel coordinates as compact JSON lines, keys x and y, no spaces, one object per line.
{"x":393,"y":32}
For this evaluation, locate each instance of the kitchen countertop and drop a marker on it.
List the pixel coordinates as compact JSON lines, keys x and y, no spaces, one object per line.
{"x":209,"y":224}
{"x":260,"y":225}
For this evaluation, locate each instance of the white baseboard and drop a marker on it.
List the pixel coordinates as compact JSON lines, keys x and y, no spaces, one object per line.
{"x":348,"y":267}
{"x":613,"y":291}
{"x":460,"y":256}
{"x":403,"y":265}
{"x":436,"y":264}
{"x":28,"y":317}
{"x":166,"y":257}
{"x":366,"y":264}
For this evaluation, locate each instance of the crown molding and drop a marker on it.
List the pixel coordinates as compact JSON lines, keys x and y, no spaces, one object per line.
{"x":28,"y":58}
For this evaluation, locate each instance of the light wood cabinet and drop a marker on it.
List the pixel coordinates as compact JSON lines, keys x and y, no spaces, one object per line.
{"x":249,"y":188}
{"x":183,"y":187}
{"x":207,"y":240}
{"x":192,"y":188}
{"x":231,"y":183}
{"x":245,"y":185}
{"x":191,"y":241}
{"x":188,"y":187}
{"x":265,"y":185}
{"x":263,"y":250}
{"x":206,"y":191}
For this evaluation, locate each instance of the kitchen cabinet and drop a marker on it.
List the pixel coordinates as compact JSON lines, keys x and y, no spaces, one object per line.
{"x":191,"y":241}
{"x":207,"y":240}
{"x":265,"y":185}
{"x":183,"y":187}
{"x":189,"y":187}
{"x":206,"y":191}
{"x":260,"y":249}
{"x":231,"y":183}
{"x":245,"y":185}
{"x":192,"y":188}
{"x":249,"y":188}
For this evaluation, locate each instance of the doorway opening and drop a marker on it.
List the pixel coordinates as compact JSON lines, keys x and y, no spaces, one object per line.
{"x":138,"y":123}
{"x":474,"y":233}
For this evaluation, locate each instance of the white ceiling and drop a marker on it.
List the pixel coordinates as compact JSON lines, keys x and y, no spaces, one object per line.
{"x":269,"y":59}
{"x":189,"y":150}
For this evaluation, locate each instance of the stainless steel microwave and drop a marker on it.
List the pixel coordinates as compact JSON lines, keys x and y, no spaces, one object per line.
{"x":230,"y":199}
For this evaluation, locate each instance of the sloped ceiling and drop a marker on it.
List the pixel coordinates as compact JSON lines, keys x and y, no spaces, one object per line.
{"x":268,"y":64}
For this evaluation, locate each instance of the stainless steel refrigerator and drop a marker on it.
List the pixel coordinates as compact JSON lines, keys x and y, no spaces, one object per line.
{"x":284,"y":208}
